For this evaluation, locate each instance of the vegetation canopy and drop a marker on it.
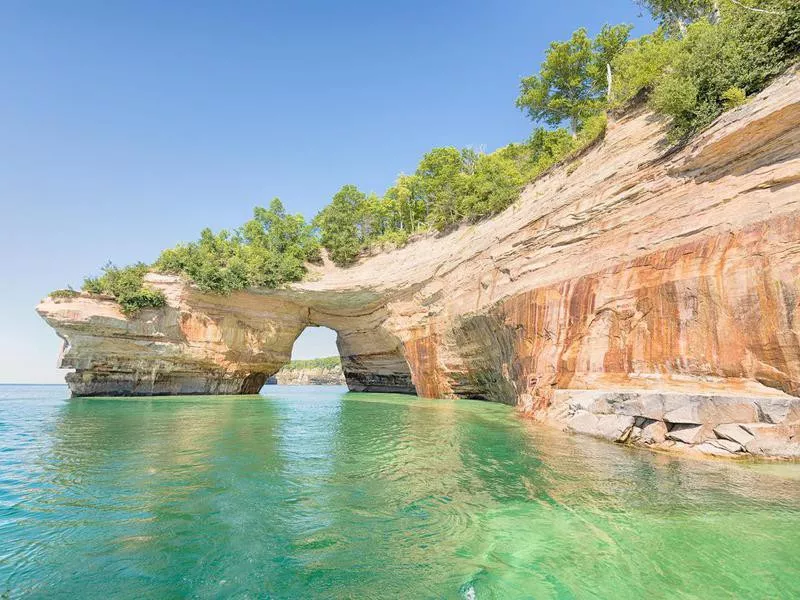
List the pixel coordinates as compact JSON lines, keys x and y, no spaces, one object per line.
{"x":269,"y":250}
{"x":126,"y":284}
{"x":328,"y":362}
{"x":706,"y":56}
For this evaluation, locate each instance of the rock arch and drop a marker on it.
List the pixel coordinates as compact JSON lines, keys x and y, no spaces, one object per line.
{"x":205,"y":343}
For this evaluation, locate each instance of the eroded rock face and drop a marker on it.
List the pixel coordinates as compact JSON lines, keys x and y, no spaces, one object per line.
{"x":640,"y":294}
{"x":309,"y":376}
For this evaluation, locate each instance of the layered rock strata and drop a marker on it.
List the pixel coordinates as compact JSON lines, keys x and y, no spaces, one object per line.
{"x":309,"y":376}
{"x":640,"y":293}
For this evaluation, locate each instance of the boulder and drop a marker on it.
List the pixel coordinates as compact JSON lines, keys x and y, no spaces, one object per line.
{"x":727,"y":445}
{"x":615,"y":428}
{"x":773,"y":440}
{"x":773,"y":447}
{"x":689,"y":433}
{"x":782,"y":409}
{"x":709,"y":409}
{"x":719,"y":447}
{"x":654,"y":432}
{"x":733,"y":432}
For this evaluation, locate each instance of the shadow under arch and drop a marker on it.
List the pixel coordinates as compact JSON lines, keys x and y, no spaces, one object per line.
{"x":373,"y":360}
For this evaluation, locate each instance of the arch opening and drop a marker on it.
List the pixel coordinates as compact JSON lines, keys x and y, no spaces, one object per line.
{"x":315,"y":341}
{"x":314,"y":359}
{"x":370,"y":359}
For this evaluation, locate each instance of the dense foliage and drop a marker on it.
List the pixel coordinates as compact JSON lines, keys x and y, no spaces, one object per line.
{"x":329,"y":362}
{"x":267,"y":251}
{"x":573,"y":81}
{"x":722,"y":53}
{"x":126,"y":284}
{"x":705,"y":57}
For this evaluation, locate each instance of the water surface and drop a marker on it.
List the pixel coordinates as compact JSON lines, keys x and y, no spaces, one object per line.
{"x":316,"y":493}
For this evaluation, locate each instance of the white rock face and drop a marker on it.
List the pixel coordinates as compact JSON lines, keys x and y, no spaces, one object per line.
{"x":310,"y":376}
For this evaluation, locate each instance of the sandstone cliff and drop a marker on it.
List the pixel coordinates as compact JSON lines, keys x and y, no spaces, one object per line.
{"x":641,"y":293}
{"x":309,"y":376}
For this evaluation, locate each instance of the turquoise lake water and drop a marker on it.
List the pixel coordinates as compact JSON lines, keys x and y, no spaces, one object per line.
{"x":318,"y":493}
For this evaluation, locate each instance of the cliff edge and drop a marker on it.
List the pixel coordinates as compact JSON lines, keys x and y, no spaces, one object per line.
{"x":640,"y":293}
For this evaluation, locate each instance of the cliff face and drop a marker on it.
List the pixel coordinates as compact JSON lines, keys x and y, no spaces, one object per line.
{"x":309,"y":376}
{"x":639,"y":294}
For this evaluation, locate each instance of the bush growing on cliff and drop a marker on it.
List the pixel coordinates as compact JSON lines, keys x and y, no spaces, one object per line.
{"x":744,"y":50}
{"x":641,"y":63}
{"x":126,"y":284}
{"x":708,"y":57}
{"x":495,"y":183}
{"x":64,"y":293}
{"x":267,"y":251}
{"x":342,"y":224}
{"x":706,"y":54}
{"x":449,"y":186}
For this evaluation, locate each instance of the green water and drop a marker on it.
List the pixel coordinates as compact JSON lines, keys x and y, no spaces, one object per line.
{"x":314,"y":493}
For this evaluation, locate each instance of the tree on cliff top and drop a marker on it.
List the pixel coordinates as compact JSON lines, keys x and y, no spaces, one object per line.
{"x":126,"y":284}
{"x":268,"y":250}
{"x":340,"y":224}
{"x":573,"y":81}
{"x":677,"y":14}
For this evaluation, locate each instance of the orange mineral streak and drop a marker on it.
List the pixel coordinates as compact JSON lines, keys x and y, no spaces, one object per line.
{"x":421,"y":352}
{"x":722,"y":307}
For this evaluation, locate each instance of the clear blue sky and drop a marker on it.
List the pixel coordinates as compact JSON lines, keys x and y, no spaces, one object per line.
{"x":128,"y":126}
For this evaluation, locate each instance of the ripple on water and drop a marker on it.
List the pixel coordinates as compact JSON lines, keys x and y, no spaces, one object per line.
{"x":313,"y":493}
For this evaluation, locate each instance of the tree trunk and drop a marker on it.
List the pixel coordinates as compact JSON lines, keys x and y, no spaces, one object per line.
{"x":713,"y":18}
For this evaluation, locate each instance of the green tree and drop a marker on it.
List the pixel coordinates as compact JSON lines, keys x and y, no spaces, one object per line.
{"x":442,"y":181}
{"x":641,"y":63}
{"x":677,"y":14}
{"x":562,"y":90}
{"x":267,"y":251}
{"x":494,"y":185}
{"x":573,"y":79}
{"x":608,"y":44}
{"x":340,"y":225}
{"x":407,"y":198}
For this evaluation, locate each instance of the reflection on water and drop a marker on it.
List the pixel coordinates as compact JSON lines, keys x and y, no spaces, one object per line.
{"x":314,"y":493}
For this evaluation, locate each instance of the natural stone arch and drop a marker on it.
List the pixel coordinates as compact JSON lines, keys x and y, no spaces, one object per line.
{"x":203,"y":343}
{"x":373,"y":358}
